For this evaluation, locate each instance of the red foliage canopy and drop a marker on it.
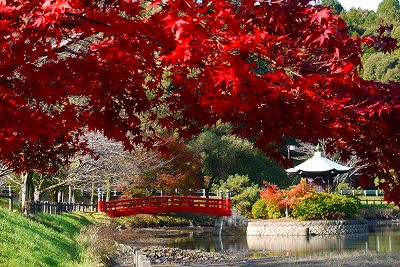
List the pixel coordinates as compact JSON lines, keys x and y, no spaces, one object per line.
{"x":271,"y":68}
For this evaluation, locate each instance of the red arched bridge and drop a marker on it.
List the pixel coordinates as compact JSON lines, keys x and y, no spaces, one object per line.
{"x":166,"y":204}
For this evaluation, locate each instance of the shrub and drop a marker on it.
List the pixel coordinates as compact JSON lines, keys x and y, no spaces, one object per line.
{"x":96,"y":246}
{"x":262,"y":210}
{"x":149,"y":220}
{"x":326,"y":206}
{"x":244,"y":193}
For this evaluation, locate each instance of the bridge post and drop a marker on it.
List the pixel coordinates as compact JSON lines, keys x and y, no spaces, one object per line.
{"x":228,"y":200}
{"x":221,"y":200}
{"x":101,"y":206}
{"x":218,"y":224}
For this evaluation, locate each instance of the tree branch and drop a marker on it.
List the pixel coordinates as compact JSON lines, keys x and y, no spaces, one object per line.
{"x":52,"y":187}
{"x":82,"y":16}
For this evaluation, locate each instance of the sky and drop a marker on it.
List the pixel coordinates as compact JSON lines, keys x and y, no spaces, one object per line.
{"x":364,"y":4}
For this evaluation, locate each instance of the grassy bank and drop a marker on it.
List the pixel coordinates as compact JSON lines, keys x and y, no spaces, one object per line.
{"x":42,"y":239}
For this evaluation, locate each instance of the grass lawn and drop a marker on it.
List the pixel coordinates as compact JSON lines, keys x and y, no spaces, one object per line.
{"x":4,"y":203}
{"x":375,"y":202}
{"x":42,"y":240}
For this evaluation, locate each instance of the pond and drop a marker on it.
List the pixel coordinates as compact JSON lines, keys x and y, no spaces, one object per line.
{"x":379,"y":239}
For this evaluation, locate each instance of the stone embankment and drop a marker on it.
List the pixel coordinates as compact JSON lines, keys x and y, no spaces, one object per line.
{"x":298,"y":228}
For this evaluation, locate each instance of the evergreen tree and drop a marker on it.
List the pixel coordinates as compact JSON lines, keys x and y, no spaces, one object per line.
{"x":360,"y":21}
{"x":382,"y":67}
{"x":224,"y":154}
{"x":388,"y":12}
{"x":336,"y":7}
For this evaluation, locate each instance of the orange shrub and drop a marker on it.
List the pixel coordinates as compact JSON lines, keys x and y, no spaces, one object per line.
{"x":280,"y":198}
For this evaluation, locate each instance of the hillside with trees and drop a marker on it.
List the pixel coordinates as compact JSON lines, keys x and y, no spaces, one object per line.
{"x":377,"y":66}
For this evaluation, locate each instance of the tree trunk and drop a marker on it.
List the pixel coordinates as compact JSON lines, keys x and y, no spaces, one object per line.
{"x":108,"y":188}
{"x":53,"y":196}
{"x":36,"y":193}
{"x":92,"y":192}
{"x":208,"y":188}
{"x":30,"y":186}
{"x":26,"y":182}
{"x":69,"y":193}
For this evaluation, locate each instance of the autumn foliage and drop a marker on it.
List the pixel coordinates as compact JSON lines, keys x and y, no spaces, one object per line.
{"x":302,"y":202}
{"x":176,"y":166}
{"x":290,"y":197}
{"x":270,"y":68}
{"x":182,"y":170}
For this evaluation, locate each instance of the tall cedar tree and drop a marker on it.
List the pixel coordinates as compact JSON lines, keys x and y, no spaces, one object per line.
{"x":270,"y":68}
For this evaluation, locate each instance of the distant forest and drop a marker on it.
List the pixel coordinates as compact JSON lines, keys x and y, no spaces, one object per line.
{"x":376,"y":66}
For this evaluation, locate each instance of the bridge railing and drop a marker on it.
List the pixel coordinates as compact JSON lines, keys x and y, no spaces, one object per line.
{"x":160,"y":204}
{"x":165,"y":201}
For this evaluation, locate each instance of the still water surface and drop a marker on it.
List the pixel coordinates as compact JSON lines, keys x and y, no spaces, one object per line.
{"x":380,"y":239}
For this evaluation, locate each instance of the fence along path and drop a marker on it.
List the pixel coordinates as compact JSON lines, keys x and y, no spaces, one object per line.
{"x":57,"y":208}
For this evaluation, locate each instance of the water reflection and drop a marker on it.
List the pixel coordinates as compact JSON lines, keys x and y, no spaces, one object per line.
{"x":384,"y":239}
{"x":380,"y":238}
{"x":302,"y":245}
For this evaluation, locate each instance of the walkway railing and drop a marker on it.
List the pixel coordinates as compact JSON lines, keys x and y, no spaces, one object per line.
{"x":355,"y":192}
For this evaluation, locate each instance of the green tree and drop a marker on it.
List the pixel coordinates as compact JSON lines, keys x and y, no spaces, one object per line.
{"x":388,"y":11}
{"x":360,"y":21}
{"x":243,"y":193}
{"x":382,"y":67}
{"x":223,"y":154}
{"x":336,"y":7}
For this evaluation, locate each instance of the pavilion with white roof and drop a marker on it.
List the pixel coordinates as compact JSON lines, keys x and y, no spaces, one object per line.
{"x":319,"y":169}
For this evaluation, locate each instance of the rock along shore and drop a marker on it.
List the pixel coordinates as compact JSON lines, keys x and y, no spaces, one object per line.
{"x":168,"y":256}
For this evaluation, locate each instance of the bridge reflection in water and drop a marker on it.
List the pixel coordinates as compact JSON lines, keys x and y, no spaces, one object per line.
{"x":380,"y":239}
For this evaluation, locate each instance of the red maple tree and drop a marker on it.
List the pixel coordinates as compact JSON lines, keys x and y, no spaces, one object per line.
{"x":180,"y":169}
{"x":270,"y":68}
{"x":286,"y":198}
